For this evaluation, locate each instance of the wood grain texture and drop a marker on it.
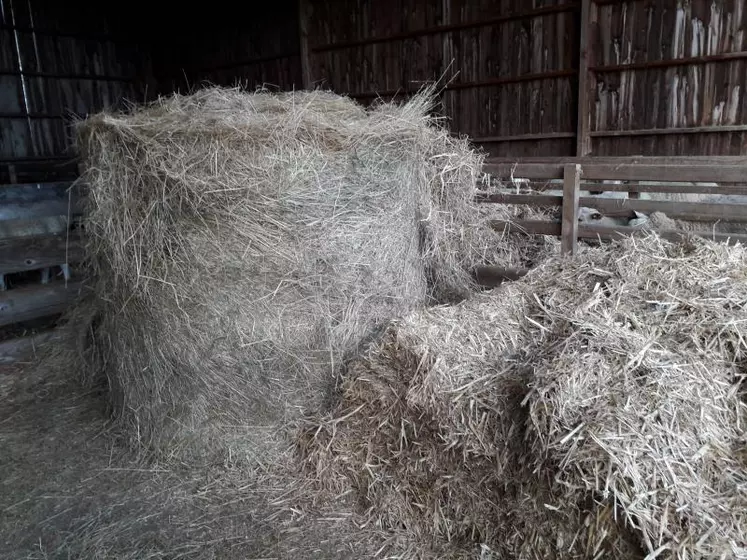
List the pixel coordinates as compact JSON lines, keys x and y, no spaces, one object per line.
{"x":569,"y":220}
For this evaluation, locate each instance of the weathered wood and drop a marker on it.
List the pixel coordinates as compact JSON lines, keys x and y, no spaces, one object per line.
{"x":552,"y":75}
{"x":18,"y":255}
{"x":721,"y":129}
{"x":670,"y":63}
{"x":569,"y":224}
{"x":621,"y":207}
{"x":583,"y":141}
{"x":524,"y":137}
{"x":541,"y":227}
{"x":25,"y":304}
{"x":545,"y":10}
{"x":624,"y":172}
{"x":492,"y":276}
{"x":24,"y":348}
{"x":634,"y":187}
{"x":303,"y":31}
{"x":645,"y":160}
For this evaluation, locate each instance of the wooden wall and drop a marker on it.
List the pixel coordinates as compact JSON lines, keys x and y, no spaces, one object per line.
{"x":668,"y":77}
{"x":508,"y":66}
{"x":58,"y":62}
{"x":251,"y":46}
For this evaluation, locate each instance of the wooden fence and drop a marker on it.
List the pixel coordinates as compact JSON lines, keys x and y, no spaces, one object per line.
{"x":675,"y":175}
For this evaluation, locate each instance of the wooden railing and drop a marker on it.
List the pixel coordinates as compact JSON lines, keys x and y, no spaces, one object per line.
{"x":677,"y":175}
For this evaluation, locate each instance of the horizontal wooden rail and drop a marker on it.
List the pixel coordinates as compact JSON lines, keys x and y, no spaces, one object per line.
{"x":546,"y":10}
{"x":101,"y":38}
{"x":36,"y":116}
{"x":669,"y":131}
{"x":672,"y":188}
{"x":539,"y":227}
{"x":53,"y":76}
{"x":19,"y":255}
{"x":25,"y":304}
{"x":669,"y":63}
{"x":619,"y":160}
{"x":624,"y":172}
{"x":695,"y":211}
{"x":492,"y":276}
{"x":525,"y":137}
{"x":552,"y":75}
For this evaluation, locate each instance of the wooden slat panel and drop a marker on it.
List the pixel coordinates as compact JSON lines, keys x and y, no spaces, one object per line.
{"x":540,"y":227}
{"x":624,"y":172}
{"x":696,"y":211}
{"x":25,"y":304}
{"x":18,"y":255}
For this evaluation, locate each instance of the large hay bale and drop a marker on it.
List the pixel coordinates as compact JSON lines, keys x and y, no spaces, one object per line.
{"x":592,"y":409}
{"x":243,"y":244}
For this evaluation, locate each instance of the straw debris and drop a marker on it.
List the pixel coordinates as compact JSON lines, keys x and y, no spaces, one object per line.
{"x":594,"y":409}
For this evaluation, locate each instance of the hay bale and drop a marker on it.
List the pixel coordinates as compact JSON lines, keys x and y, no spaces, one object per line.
{"x":244,"y":244}
{"x":592,"y":409}
{"x":639,"y":399}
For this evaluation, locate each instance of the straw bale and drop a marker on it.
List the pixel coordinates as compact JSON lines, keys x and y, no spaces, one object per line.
{"x":243,"y":244}
{"x":593,"y":409}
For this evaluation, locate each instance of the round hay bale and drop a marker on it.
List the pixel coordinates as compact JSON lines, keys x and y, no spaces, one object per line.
{"x":243,"y":244}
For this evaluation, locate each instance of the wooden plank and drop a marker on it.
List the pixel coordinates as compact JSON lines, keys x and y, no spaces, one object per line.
{"x":524,"y":137}
{"x":552,"y":75}
{"x":486,"y":22}
{"x":25,"y":348}
{"x":569,"y":224}
{"x":583,"y":140}
{"x":492,"y":276}
{"x":623,"y":207}
{"x":669,"y":131}
{"x":24,"y":304}
{"x":670,"y":63}
{"x":645,"y":160}
{"x":540,"y":227}
{"x":303,"y":33}
{"x":19,"y":255}
{"x":673,"y":188}
{"x":718,"y":173}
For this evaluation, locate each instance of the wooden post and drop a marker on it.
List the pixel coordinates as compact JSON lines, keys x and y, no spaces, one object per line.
{"x":569,"y":227}
{"x":583,"y":140}
{"x":303,"y":34}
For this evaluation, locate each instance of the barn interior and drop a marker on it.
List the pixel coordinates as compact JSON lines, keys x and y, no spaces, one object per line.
{"x":542,"y":355}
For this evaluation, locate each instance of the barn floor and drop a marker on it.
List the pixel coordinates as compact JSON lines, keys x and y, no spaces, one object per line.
{"x":70,"y":490}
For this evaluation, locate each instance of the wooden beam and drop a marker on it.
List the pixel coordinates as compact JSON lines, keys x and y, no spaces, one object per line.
{"x":524,"y":137}
{"x":718,"y":173}
{"x":623,"y":207}
{"x":673,"y":188}
{"x":19,"y":255}
{"x":644,"y":160}
{"x":569,"y":223}
{"x":540,"y":227}
{"x":499,"y":81}
{"x":670,"y":131}
{"x":670,"y":63}
{"x":25,"y":304}
{"x":304,"y":13}
{"x":492,"y":276}
{"x":583,"y":140}
{"x":546,"y":10}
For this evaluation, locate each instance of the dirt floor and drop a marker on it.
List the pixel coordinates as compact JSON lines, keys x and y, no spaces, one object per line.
{"x":69,"y":490}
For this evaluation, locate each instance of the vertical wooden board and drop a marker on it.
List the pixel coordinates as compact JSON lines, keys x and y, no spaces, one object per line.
{"x":8,"y":59}
{"x":11,"y":95}
{"x":585,"y":84}
{"x":15,"y":139}
{"x":569,"y":224}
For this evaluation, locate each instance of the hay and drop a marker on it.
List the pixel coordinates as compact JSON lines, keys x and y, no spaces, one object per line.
{"x":243,"y":245}
{"x":593,"y":409}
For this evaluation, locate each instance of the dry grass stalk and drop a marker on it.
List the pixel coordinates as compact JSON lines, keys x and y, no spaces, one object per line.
{"x":244,"y":244}
{"x":593,"y":409}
